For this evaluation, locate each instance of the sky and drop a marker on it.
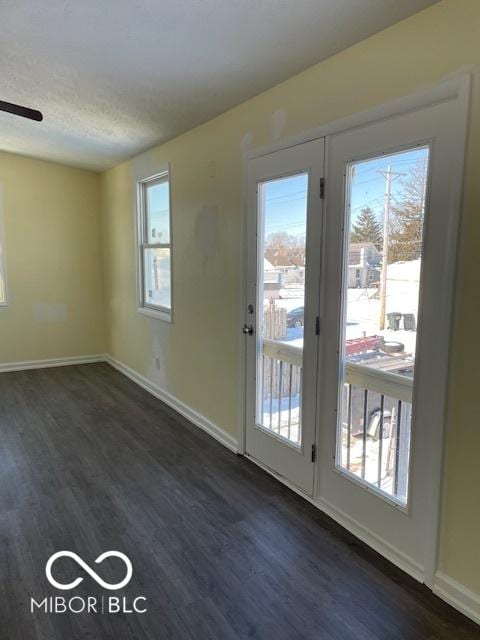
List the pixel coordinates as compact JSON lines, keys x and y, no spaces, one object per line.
{"x":285,"y":199}
{"x":368,"y":185}
{"x":285,"y":205}
{"x":157,"y":210}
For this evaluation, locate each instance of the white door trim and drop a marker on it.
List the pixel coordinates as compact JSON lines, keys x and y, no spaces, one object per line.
{"x":437,"y":452}
{"x":443,"y":125}
{"x":295,"y":462}
{"x":457,"y":87}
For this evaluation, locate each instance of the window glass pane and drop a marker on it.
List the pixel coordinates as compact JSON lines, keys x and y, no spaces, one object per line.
{"x":157,"y":278}
{"x":282,"y":229}
{"x":157,"y":212}
{"x":2,"y":275}
{"x":385,"y":205}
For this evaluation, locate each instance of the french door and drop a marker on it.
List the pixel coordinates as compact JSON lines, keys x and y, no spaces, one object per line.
{"x":388,"y":271}
{"x":283,"y":264}
{"x":348,"y":320}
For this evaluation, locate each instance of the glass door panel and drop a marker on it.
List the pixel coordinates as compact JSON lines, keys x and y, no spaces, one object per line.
{"x":284,"y":236}
{"x":282,"y":228}
{"x":385,"y":203}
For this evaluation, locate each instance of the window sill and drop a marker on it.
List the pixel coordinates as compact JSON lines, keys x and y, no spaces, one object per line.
{"x":157,"y":314}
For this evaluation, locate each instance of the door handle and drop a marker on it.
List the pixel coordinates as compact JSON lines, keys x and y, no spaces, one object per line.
{"x":247,"y":329}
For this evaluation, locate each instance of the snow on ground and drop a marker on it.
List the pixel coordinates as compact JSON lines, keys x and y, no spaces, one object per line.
{"x":363,"y":317}
{"x":289,"y":426}
{"x":363,"y":306}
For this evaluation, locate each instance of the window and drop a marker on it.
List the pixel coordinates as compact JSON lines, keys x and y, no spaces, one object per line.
{"x":386,"y":208}
{"x":282,"y":229}
{"x":155,"y":246}
{"x":3,"y":277}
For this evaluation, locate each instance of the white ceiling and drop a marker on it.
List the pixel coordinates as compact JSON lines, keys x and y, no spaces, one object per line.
{"x":115,"y":77}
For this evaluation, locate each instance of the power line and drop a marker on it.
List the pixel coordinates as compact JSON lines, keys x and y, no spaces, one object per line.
{"x":286,"y":195}
{"x":367,"y":204}
{"x":393,"y":163}
{"x":389,"y":176}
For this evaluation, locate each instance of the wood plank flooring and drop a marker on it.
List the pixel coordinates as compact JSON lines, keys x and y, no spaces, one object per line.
{"x":89,"y":462}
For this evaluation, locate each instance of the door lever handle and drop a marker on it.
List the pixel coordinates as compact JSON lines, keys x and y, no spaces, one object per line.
{"x":247,"y":329}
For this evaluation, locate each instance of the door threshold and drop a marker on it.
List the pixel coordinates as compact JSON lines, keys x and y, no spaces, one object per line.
{"x":279,"y":477}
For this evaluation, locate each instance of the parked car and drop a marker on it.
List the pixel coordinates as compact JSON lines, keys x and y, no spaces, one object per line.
{"x":295,"y":317}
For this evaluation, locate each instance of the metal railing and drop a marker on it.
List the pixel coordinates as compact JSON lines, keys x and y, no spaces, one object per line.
{"x":281,"y":373}
{"x":376,"y":413}
{"x":374,"y":434}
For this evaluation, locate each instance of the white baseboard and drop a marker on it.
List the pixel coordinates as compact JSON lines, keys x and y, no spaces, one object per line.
{"x":384,"y":548}
{"x":461,"y":598}
{"x":453,"y":592}
{"x":196,"y":418}
{"x":51,"y":362}
{"x":378,"y":544}
{"x":200,"y":421}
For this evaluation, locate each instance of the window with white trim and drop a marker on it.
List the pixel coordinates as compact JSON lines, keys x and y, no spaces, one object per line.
{"x":3,"y":273}
{"x":154,"y":246}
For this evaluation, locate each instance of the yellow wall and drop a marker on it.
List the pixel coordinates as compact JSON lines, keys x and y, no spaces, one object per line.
{"x":52,"y":244}
{"x":199,"y":353}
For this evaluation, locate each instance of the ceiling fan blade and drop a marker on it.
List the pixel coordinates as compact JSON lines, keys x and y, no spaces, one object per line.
{"x":17,"y":110}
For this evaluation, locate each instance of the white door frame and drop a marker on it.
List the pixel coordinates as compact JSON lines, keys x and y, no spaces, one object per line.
{"x":281,"y":456}
{"x":456,"y":87}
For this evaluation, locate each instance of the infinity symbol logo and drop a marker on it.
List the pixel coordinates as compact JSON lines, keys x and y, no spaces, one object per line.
{"x":87,"y":569}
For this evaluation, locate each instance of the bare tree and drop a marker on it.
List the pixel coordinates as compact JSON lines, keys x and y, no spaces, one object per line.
{"x":407,"y":214}
{"x":283,"y":249}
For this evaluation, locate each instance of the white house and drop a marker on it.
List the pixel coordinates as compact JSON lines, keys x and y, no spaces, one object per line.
{"x":364,"y":260}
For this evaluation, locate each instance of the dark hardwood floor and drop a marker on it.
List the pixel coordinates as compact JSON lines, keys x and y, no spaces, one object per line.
{"x":89,"y":462}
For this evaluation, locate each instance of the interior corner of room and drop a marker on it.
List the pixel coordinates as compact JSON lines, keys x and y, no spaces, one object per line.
{"x":286,"y":263}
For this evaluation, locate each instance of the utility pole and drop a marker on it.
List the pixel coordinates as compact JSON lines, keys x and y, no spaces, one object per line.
{"x":389,"y":176}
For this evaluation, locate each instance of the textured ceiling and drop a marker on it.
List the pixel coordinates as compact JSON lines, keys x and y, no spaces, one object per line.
{"x":115,"y":77}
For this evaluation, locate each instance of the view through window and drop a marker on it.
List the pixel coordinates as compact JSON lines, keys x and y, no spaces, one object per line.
{"x":281,"y":277}
{"x":156,"y":244}
{"x":385,"y":199}
{"x":3,"y":284}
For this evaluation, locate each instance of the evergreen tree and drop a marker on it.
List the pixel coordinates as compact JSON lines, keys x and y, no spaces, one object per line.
{"x":367,"y":229}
